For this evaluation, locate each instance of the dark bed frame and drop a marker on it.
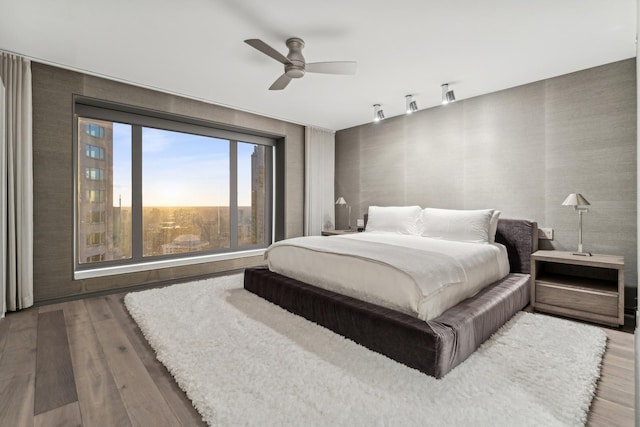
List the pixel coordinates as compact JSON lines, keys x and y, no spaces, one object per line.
{"x":433,"y":347}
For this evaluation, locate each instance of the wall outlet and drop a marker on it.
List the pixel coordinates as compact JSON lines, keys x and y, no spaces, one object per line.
{"x":545,"y":233}
{"x":359,"y":222}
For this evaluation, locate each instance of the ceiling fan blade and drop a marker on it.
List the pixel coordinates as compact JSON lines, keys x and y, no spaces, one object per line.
{"x":267,"y":50}
{"x":340,"y":67}
{"x":281,"y":83}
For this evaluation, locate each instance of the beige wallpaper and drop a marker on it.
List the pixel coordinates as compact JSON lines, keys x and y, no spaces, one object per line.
{"x":521,"y":150}
{"x":53,"y":91}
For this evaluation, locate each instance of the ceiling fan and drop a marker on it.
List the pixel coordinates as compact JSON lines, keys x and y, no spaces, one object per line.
{"x":295,"y":65}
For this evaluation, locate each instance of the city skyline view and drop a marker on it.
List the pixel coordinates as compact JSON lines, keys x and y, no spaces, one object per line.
{"x":185,"y":184}
{"x":179,"y":169}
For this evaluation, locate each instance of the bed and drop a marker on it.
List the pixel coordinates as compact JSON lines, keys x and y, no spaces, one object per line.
{"x":433,"y":344}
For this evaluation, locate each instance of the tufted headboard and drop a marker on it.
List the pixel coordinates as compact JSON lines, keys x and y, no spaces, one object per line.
{"x":521,"y":239}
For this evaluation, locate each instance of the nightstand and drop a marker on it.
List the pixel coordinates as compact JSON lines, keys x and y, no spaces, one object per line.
{"x":337,"y":232}
{"x":583,"y":287}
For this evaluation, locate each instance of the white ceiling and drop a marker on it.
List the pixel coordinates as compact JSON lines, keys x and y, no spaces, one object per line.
{"x":195,"y":47}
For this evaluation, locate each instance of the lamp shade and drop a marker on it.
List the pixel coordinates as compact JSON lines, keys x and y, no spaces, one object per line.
{"x":341,"y":201}
{"x":575,"y":199}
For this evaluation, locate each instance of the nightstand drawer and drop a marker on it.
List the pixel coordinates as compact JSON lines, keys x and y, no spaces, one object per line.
{"x":592,"y":301}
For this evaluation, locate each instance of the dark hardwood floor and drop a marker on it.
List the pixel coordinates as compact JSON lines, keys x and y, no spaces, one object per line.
{"x":86,"y":363}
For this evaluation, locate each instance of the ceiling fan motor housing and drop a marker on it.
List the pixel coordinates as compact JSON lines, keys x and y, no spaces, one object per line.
{"x":295,"y":66}
{"x":295,"y":70}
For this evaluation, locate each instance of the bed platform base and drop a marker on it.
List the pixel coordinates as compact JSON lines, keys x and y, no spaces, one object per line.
{"x":433,"y":347}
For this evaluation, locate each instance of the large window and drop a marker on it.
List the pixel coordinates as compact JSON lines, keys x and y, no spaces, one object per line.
{"x":185,"y":192}
{"x":155,"y":187}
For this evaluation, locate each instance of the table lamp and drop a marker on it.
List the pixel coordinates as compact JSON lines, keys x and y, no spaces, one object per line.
{"x":579,"y":204}
{"x":343,"y":202}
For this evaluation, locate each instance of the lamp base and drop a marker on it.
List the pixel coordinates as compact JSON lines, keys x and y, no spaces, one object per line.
{"x":582,"y":253}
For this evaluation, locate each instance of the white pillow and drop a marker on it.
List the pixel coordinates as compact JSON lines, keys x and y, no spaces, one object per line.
{"x":493,"y":226}
{"x":461,"y":225}
{"x":394,"y":219}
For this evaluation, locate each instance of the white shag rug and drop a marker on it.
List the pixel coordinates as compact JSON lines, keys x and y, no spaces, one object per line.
{"x":244,"y":361}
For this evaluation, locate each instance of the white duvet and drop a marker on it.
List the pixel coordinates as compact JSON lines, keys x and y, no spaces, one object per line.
{"x":416,"y":275}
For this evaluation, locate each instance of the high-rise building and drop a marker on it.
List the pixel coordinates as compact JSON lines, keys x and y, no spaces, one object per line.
{"x":258,"y":194}
{"x":95,"y":191}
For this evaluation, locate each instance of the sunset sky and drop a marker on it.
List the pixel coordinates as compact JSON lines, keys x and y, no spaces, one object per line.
{"x":179,"y":169}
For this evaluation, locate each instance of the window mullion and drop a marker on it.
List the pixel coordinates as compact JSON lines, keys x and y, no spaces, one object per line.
{"x":137,"y":232}
{"x":233,"y":194}
{"x":269,"y":199}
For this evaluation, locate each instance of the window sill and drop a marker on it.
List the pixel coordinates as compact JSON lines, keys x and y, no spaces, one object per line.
{"x":153,"y":265}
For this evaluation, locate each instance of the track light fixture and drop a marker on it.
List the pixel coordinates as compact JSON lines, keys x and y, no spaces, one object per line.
{"x":412,"y":106}
{"x":378,"y":114}
{"x":447,"y":95}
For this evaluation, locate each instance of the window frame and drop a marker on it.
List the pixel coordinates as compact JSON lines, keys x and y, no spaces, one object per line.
{"x":138,"y":118}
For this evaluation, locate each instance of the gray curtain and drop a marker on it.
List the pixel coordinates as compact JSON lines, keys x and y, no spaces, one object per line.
{"x":16,"y":178}
{"x":319,"y":209}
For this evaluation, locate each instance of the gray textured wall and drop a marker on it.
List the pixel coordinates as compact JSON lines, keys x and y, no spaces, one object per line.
{"x":53,"y":91}
{"x":521,"y":150}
